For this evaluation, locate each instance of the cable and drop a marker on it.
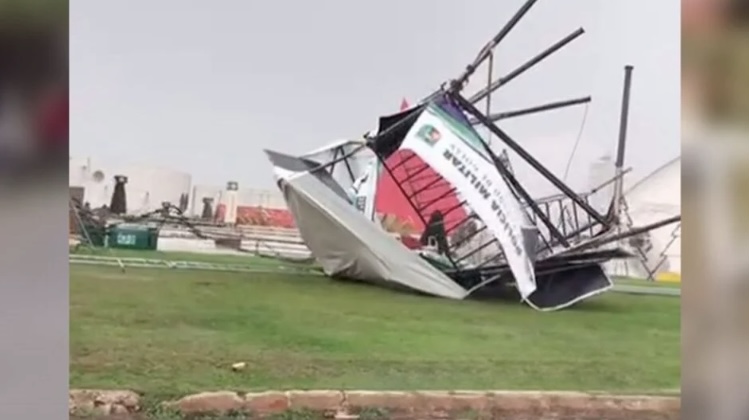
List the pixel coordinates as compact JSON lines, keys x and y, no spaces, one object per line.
{"x":577,"y":143}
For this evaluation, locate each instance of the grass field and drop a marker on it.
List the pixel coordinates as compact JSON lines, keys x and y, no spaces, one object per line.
{"x":645,"y":283}
{"x":243,"y":259}
{"x":169,"y":332}
{"x":256,"y":261}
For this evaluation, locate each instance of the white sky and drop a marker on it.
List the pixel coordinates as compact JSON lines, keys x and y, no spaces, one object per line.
{"x":203,"y":86}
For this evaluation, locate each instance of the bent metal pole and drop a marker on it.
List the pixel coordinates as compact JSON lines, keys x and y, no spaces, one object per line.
{"x":512,"y":144}
{"x":551,"y":106}
{"x":483,"y":93}
{"x":485,"y":52}
{"x":621,"y":145}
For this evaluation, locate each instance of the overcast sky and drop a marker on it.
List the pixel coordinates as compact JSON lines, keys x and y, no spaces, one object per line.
{"x":203,"y":86}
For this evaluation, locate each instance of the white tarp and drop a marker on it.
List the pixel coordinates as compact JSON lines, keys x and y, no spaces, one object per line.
{"x":358,"y":173}
{"x":346,"y":171}
{"x":347,"y":244}
{"x":651,"y":199}
{"x":446,"y":147}
{"x":364,"y":190}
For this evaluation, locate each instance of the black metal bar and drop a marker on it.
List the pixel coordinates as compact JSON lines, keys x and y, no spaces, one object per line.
{"x":506,"y":174}
{"x":561,"y":212}
{"x":489,"y":76}
{"x":547,"y":206}
{"x":420,"y":170}
{"x":582,"y":229}
{"x":621,"y":146}
{"x":587,"y":193}
{"x":409,"y":178}
{"x":424,"y":188}
{"x":348,"y":169}
{"x":534,"y":218}
{"x":431,"y":185}
{"x":527,"y":66}
{"x":627,"y":234}
{"x":335,"y":161}
{"x":587,"y":201}
{"x":545,"y":241}
{"x":448,"y":231}
{"x":505,"y":158}
{"x":402,"y":161}
{"x":453,"y":208}
{"x":335,"y":155}
{"x":324,"y":166}
{"x":467,"y":218}
{"x":591,"y":224}
{"x":616,"y":199}
{"x":470,"y":254}
{"x":486,"y":51}
{"x":610,"y":181}
{"x":424,"y":176}
{"x":512,"y":144}
{"x":536,"y":109}
{"x":427,"y":177}
{"x":490,"y":259}
{"x":562,"y":219}
{"x":426,"y":206}
{"x":517,"y":187}
{"x":469,"y":237}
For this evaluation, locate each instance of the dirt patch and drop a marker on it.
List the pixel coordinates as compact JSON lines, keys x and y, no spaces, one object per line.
{"x":378,"y":405}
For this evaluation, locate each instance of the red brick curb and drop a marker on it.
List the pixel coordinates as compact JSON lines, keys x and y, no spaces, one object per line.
{"x":347,"y":404}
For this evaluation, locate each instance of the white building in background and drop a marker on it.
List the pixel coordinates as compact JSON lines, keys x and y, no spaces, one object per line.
{"x":245,"y":197}
{"x":653,"y":198}
{"x":600,"y":172}
{"x":265,"y":198}
{"x":146,"y":189}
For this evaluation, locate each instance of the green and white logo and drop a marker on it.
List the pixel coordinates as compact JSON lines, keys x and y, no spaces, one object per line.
{"x":429,"y":134}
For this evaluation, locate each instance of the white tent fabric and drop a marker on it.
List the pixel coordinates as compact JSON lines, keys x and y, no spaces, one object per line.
{"x":657,"y":197}
{"x":353,"y":247}
{"x":352,"y":168}
{"x":653,"y":198}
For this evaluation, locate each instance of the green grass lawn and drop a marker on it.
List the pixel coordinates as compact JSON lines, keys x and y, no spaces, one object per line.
{"x":169,"y":332}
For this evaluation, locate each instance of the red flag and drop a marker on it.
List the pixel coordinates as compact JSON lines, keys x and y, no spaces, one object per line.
{"x":404,"y":104}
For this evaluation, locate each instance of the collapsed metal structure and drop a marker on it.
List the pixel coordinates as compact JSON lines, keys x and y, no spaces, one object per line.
{"x":492,"y":234}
